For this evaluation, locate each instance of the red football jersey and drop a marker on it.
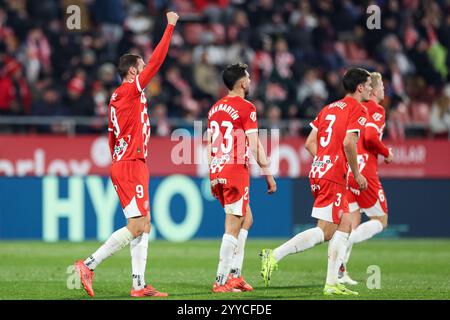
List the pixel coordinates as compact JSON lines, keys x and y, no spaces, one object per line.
{"x":332,"y":123}
{"x":128,"y":123}
{"x":229,"y":120}
{"x":370,"y":144}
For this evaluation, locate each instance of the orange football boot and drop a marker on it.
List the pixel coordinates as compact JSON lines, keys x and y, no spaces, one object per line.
{"x":86,"y":276}
{"x":148,"y":291}
{"x":239,"y":283}
{"x":227,"y":287}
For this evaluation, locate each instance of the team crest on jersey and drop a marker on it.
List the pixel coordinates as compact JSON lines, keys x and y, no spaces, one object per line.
{"x":253,"y":116}
{"x":362,"y":121}
{"x":377,"y":116}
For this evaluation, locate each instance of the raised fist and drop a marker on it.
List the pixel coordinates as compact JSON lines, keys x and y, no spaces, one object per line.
{"x":172,"y":18}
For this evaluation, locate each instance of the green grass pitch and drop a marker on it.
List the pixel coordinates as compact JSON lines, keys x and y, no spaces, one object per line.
{"x":410,"y":269}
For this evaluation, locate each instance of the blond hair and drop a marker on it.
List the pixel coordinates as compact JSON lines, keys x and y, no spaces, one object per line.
{"x":376,"y":79}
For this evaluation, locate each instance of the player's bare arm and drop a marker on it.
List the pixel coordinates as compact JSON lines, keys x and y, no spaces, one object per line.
{"x":311,"y":143}
{"x":350,"y":140}
{"x":260,"y":156}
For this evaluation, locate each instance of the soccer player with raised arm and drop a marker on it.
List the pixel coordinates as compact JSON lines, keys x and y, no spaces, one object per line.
{"x":332,"y":143}
{"x":371,"y":201}
{"x":232,"y":129}
{"x":129,"y":132}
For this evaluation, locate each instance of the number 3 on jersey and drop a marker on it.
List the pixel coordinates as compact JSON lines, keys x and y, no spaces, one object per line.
{"x":227,"y":143}
{"x":337,"y":203}
{"x":325,"y":141}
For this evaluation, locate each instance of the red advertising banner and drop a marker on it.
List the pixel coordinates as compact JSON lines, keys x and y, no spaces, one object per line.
{"x":89,"y":155}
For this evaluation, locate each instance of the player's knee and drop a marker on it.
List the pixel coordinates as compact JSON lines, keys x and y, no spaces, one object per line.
{"x":384,"y":222}
{"x":327,"y":234}
{"x":233,"y":231}
{"x":327,"y":229}
{"x":148,"y":227}
{"x":248,"y":222}
{"x":137,"y":232}
{"x":137,"y":229}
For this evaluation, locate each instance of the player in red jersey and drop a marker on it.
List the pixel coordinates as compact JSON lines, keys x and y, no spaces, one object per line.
{"x":332,"y":143}
{"x":372,"y":201}
{"x":129,"y":132}
{"x":232,"y":131}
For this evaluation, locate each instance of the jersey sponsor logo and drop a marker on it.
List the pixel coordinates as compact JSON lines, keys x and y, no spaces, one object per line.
{"x":114,"y":96}
{"x":338,"y":104}
{"x":377,"y":116}
{"x":355,"y":191}
{"x":253,"y":116}
{"x":217,"y":164}
{"x":362,"y":121}
{"x":321,"y":166}
{"x":120,"y":148}
{"x":218,"y":181}
{"x":315,"y":187}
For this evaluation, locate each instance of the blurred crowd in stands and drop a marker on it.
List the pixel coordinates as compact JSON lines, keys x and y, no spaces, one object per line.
{"x":297,"y":52}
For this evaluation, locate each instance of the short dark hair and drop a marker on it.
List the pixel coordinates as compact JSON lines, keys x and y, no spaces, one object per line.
{"x":233,"y":73}
{"x":354,"y":77}
{"x":125,"y":62}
